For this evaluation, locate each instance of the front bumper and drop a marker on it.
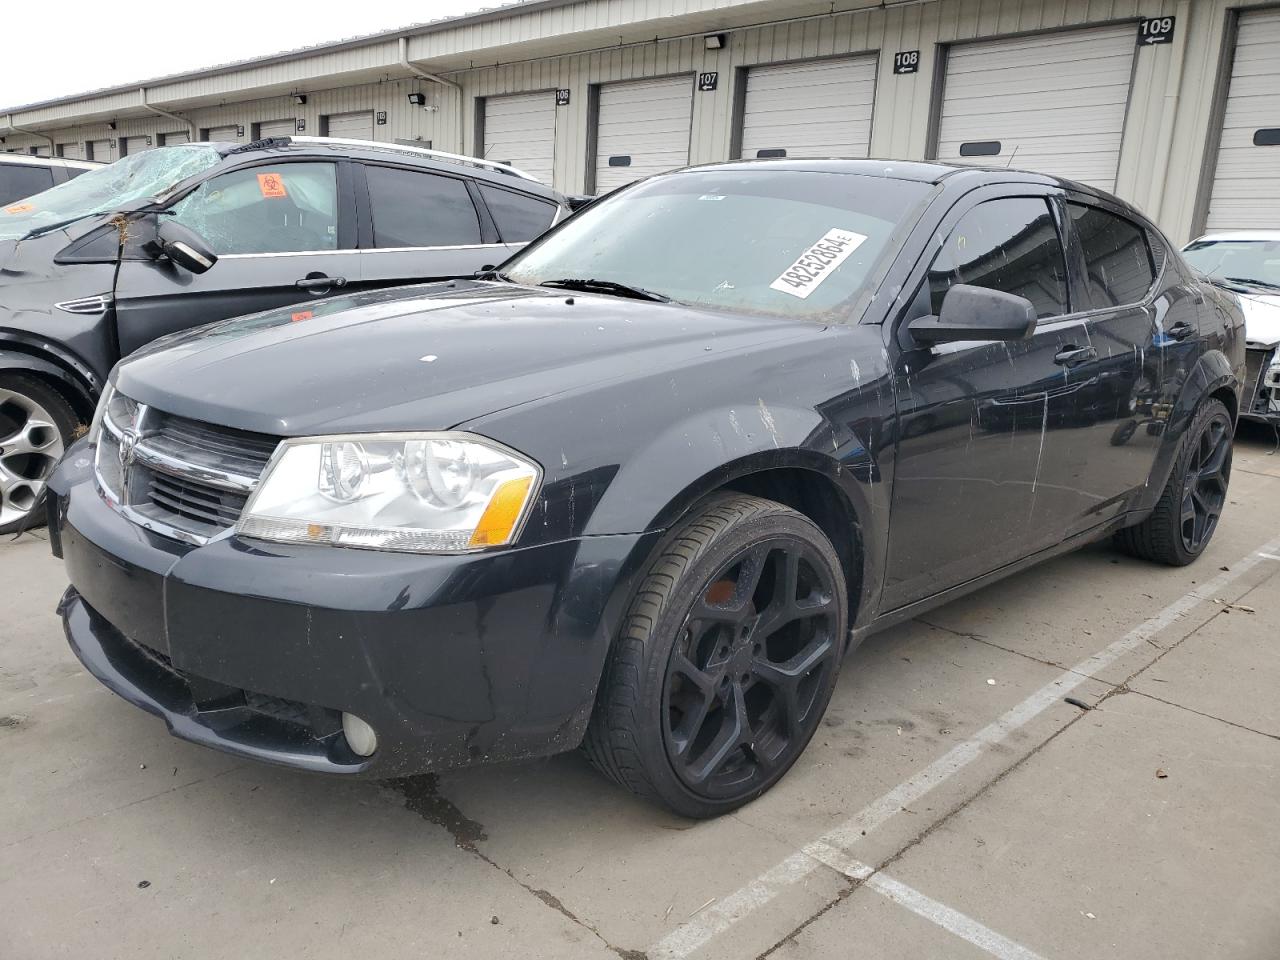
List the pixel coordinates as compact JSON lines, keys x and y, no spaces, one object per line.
{"x":258,"y":648}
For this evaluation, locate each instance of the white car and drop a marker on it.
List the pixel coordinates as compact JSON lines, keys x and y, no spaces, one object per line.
{"x":23,"y":175}
{"x":1247,"y":262}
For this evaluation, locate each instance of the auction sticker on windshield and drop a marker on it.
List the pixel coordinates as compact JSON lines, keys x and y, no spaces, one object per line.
{"x":817,"y":263}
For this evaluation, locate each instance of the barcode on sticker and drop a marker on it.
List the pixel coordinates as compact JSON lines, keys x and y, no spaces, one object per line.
{"x":816,"y":264}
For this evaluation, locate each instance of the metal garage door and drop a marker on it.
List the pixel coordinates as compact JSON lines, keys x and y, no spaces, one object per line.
{"x":131,"y":145}
{"x":820,"y":109}
{"x":275,"y":128}
{"x":642,"y":129}
{"x":521,"y":130}
{"x":44,"y":151}
{"x":351,"y":126}
{"x":99,"y":150}
{"x":71,"y":151}
{"x":214,"y":134}
{"x":1246,"y":183}
{"x":174,"y":139}
{"x":1053,"y":102}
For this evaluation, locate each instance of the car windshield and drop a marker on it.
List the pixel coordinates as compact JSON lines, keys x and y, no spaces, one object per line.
{"x":794,"y":244}
{"x":1254,"y":262}
{"x":142,"y":176}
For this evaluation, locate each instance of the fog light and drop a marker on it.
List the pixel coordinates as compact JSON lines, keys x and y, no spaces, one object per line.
{"x":360,"y":736}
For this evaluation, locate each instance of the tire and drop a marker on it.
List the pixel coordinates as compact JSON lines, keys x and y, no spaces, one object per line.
{"x":1177,"y":531}
{"x":709,"y":641}
{"x":1124,"y":433}
{"x":36,"y":426}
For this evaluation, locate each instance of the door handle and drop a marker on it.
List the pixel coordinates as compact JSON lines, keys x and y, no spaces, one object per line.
{"x":1180,"y":330}
{"x":1074,"y":356}
{"x":316,"y":281}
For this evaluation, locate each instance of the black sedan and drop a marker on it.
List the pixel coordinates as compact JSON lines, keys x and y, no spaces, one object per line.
{"x":645,"y":488}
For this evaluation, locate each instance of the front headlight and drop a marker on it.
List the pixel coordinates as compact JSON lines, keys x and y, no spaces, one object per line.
{"x":420,"y":492}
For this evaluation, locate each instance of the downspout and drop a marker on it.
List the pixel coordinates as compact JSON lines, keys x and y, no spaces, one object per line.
{"x":1172,"y":94}
{"x":191,"y":127}
{"x":53,"y":147}
{"x":404,"y":62}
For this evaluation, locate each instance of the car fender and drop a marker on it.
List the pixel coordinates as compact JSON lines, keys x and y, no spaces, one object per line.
{"x":1212,"y":372}
{"x":21,"y":354}
{"x":701,"y":454}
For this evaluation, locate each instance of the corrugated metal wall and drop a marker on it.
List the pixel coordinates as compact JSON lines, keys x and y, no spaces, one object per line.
{"x":1166,"y":149}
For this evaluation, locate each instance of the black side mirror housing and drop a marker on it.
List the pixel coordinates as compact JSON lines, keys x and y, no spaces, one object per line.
{"x":976,"y":313}
{"x":184,"y":247}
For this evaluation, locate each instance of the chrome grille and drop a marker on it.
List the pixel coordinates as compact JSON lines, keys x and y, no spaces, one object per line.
{"x":180,"y":477}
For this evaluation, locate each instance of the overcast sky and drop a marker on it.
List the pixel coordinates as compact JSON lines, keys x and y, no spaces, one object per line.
{"x":70,"y":46}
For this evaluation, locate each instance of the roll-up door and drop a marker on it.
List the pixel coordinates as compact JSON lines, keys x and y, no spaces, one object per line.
{"x":175,"y":138}
{"x":71,"y":151}
{"x":99,"y":150}
{"x":1052,"y":102}
{"x":131,"y":145}
{"x":275,"y":128}
{"x":215,"y":134}
{"x":44,"y":151}
{"x":1246,"y":182}
{"x":350,"y":126}
{"x":819,"y":109}
{"x":521,"y":130}
{"x":642,"y":128}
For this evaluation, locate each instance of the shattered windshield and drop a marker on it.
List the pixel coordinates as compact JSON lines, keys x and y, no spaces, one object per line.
{"x":133,"y":178}
{"x":797,"y":244}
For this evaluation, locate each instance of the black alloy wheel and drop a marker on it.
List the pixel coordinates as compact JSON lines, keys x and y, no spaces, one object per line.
{"x":1186,"y":516}
{"x":726,"y":661}
{"x":754,"y":651}
{"x":1205,"y":482}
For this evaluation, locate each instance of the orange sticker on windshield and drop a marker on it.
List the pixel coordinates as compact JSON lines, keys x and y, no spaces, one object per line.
{"x":300,"y":316}
{"x":271,"y":185}
{"x":19,"y":208}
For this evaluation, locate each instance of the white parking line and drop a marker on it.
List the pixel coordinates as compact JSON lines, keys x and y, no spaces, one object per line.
{"x":830,"y":849}
{"x":1269,"y":556}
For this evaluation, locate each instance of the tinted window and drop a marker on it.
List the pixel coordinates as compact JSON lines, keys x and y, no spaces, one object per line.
{"x":1010,"y":245}
{"x":519,"y":216}
{"x":281,"y":208}
{"x":18,"y":182}
{"x":420,"y":209}
{"x":1116,"y":254}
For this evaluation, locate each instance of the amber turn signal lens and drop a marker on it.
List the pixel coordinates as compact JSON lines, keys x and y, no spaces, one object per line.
{"x":498,"y":522}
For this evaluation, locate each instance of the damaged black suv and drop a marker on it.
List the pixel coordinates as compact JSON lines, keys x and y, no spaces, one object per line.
{"x":644,"y":488}
{"x":167,"y":239}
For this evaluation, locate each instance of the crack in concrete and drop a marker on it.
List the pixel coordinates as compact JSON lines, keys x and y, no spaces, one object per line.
{"x":422,"y":796}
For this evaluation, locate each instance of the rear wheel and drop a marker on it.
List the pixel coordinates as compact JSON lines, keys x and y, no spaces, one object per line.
{"x":36,"y":425}
{"x":726,"y":660}
{"x":1187,"y":514}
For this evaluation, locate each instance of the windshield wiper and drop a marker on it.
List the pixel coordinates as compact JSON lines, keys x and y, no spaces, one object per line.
{"x":1254,"y":283}
{"x":493,"y":275}
{"x":606,"y":286}
{"x":50,"y":227}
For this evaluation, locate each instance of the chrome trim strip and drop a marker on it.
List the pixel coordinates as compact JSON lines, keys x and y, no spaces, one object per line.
{"x":184,"y":469}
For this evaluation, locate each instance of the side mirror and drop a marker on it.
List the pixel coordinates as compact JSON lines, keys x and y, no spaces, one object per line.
{"x":184,"y":247}
{"x":976,"y":313}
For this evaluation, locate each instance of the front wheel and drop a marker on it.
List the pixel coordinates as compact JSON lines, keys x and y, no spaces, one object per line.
{"x":726,"y":660}
{"x":36,"y":424}
{"x":1187,"y":513}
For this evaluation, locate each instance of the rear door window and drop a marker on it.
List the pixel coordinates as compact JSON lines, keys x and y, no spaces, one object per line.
{"x":1116,"y":254}
{"x":1010,"y":244}
{"x":278,"y":208}
{"x":412,"y":209}
{"x":519,"y":217}
{"x":18,"y":182}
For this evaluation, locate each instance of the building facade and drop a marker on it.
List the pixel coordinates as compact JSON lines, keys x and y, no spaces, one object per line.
{"x":1173,"y":104}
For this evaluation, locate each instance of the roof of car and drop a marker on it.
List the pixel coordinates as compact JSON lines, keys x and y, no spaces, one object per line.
{"x":922,"y":171}
{"x":1237,"y":235}
{"x":31,"y":160}
{"x":489,"y":170}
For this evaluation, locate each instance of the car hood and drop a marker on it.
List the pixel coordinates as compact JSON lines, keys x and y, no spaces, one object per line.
{"x":1261,"y":317}
{"x":424,"y":357}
